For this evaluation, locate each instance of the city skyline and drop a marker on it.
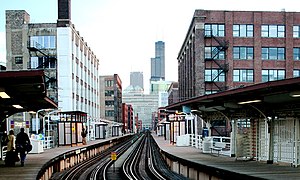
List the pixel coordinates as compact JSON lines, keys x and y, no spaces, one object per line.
{"x":112,"y":31}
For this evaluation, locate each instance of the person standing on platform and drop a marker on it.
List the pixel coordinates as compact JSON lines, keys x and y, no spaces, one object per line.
{"x":83,"y":135}
{"x":22,"y":142}
{"x":10,"y":154}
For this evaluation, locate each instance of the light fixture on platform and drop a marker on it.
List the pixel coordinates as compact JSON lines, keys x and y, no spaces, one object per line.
{"x":4,"y":95}
{"x":251,"y":101}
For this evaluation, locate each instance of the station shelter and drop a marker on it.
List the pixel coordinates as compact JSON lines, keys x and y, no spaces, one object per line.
{"x":100,"y":130}
{"x":263,"y":120}
{"x":70,"y":126}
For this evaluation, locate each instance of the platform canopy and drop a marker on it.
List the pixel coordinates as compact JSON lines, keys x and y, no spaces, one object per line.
{"x":273,"y":98}
{"x":22,"y":91}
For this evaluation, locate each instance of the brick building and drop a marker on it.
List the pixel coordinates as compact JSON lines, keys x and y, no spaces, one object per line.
{"x":231,"y":49}
{"x":111,"y":98}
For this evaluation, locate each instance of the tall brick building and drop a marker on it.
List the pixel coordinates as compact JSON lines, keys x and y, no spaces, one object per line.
{"x":231,"y":49}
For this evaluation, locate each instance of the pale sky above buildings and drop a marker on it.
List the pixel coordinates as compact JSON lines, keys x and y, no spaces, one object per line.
{"x":122,"y":33}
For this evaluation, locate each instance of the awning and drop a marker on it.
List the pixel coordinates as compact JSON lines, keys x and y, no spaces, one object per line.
{"x":25,"y":88}
{"x":274,"y":98}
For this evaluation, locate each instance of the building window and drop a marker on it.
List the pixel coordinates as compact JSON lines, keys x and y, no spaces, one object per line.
{"x":214,"y":30}
{"x":296,"y":53}
{"x":242,"y":30}
{"x":296,"y":73}
{"x":272,"y":75}
{"x":272,"y":30}
{"x":296,"y":32}
{"x":216,"y":75}
{"x":43,"y":62}
{"x":210,"y":91}
{"x":214,"y":53}
{"x":243,"y":75}
{"x":19,"y":60}
{"x":109,"y":103}
{"x":272,"y":53}
{"x":109,"y":93}
{"x":109,"y":83}
{"x":43,"y":42}
{"x":109,"y":113}
{"x":242,"y":52}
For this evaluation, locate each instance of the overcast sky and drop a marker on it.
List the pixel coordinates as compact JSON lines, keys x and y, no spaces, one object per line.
{"x":122,"y":33}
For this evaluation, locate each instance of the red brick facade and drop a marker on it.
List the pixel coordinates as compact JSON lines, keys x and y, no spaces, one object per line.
{"x":192,"y":61}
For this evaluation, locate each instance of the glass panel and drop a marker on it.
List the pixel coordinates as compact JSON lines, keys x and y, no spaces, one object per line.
{"x":295,"y":31}
{"x":236,"y":29}
{"x":249,"y":30}
{"x":214,"y":29}
{"x":236,"y":52}
{"x":242,"y":30}
{"x":296,"y":53}
{"x":281,"y":53}
{"x":296,"y":73}
{"x":272,"y":31}
{"x":221,"y":30}
{"x":242,"y":52}
{"x":250,"y":75}
{"x":236,"y":75}
{"x":264,"y":31}
{"x":272,"y":53}
{"x":249,"y":53}
{"x":207,"y":30}
{"x":264,"y":53}
{"x":281,"y":74}
{"x":265,"y":75}
{"x":207,"y":54}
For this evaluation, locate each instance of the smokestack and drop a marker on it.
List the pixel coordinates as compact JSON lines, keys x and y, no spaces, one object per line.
{"x":64,"y":13}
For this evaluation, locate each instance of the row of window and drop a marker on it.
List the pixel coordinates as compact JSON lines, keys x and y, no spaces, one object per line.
{"x":109,"y":113}
{"x":247,"y":53}
{"x":247,"y":75}
{"x":247,"y":30}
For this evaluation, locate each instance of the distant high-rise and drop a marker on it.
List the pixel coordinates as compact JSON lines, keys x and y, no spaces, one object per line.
{"x":137,"y":79}
{"x":158,"y":62}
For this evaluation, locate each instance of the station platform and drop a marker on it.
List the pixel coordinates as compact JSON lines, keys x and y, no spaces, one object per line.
{"x":34,"y":162}
{"x":252,"y":169}
{"x":248,"y":169}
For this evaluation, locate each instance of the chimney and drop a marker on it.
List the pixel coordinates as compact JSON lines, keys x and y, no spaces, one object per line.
{"x":64,"y":13}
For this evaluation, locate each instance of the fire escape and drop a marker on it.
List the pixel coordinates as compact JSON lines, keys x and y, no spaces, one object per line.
{"x":43,"y":62}
{"x":222,"y":66}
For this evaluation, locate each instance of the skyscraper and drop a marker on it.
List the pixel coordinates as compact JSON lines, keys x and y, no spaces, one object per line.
{"x":137,"y":79}
{"x":158,"y":62}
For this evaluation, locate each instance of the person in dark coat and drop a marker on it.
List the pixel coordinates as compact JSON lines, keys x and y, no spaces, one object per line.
{"x":22,"y":142}
{"x":83,"y":134}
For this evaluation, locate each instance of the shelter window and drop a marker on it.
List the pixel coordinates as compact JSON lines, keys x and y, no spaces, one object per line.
{"x":272,"y":75}
{"x":272,"y":31}
{"x":242,"y":52}
{"x":214,"y":30}
{"x":243,"y":75}
{"x":242,"y":30}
